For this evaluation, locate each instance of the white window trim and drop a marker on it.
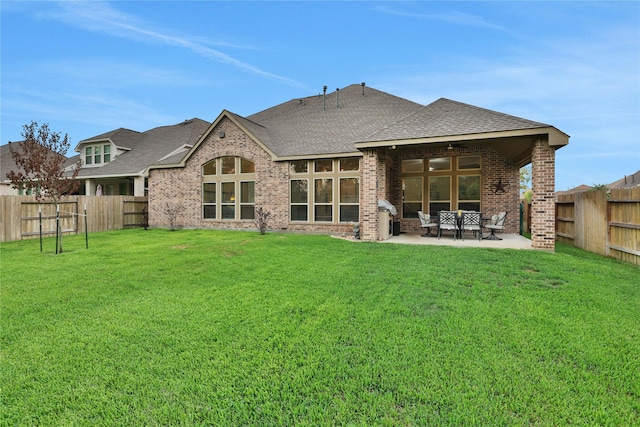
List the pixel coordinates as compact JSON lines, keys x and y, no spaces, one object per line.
{"x":93,"y":156}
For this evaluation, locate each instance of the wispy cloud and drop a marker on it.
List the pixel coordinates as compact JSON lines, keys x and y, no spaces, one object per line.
{"x":569,"y":79}
{"x":59,"y":105}
{"x":106,"y":73}
{"x":101,"y":17}
{"x":454,"y":17}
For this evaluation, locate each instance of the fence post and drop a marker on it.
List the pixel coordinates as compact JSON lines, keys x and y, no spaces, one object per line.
{"x":607,"y":218}
{"x":521,"y":216}
{"x":86,"y":228}
{"x":40,"y":218}
{"x":57,"y":225}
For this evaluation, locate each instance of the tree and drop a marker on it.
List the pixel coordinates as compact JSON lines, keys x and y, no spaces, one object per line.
{"x":525,"y":178}
{"x":599,"y":187}
{"x":40,"y":159}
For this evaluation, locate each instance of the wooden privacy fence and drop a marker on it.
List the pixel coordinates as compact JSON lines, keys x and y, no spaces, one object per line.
{"x":21,"y":215}
{"x":604,"y":222}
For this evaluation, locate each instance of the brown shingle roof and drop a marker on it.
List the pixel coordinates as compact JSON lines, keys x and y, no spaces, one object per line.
{"x":579,"y":189}
{"x":344,"y":121}
{"x":629,"y":181}
{"x":319,"y":125}
{"x":124,"y":138}
{"x":445,"y":117}
{"x":146,"y":148}
{"x":7,"y":164}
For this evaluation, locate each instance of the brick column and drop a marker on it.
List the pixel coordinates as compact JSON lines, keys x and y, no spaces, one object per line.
{"x":543,"y":207}
{"x":369,"y":196}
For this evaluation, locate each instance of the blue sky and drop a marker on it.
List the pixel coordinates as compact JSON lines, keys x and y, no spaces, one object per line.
{"x":90,"y":67}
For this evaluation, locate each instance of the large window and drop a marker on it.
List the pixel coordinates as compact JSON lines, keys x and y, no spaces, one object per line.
{"x":412,"y":169}
{"x":326,"y":190}
{"x":439,"y":194}
{"x":469,"y":192}
{"x":411,"y":196}
{"x":349,"y":199}
{"x":228,"y":189}
{"x":323,"y":200}
{"x":299,"y":200}
{"x":97,"y":154}
{"x":209,"y":200}
{"x":450,"y":183}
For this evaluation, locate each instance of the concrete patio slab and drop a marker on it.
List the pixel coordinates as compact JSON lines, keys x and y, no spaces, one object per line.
{"x":509,"y":241}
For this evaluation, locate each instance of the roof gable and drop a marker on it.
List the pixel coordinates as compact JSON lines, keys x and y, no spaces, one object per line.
{"x":123,"y":138}
{"x":252,"y":129}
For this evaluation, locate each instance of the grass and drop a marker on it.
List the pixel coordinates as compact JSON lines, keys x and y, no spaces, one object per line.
{"x":199,"y":327}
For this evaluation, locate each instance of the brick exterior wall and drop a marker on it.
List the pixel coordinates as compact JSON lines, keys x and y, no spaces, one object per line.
{"x":183,"y":186}
{"x":543,"y":225}
{"x":379,"y":179}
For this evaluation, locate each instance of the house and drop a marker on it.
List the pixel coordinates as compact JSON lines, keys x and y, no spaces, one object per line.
{"x":116,"y":162}
{"x":322,"y":164}
{"x":7,"y":164}
{"x":629,"y":181}
{"x":579,"y":189}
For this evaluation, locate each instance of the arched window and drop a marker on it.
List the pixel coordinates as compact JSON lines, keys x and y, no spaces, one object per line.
{"x":228,"y":189}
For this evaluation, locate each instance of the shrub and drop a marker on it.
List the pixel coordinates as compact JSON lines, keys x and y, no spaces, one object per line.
{"x":262,"y":219}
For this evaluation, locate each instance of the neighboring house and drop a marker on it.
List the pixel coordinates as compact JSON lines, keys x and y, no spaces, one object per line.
{"x":322,"y":163}
{"x":579,"y":189}
{"x":116,"y":162}
{"x":7,"y":164}
{"x":629,"y":181}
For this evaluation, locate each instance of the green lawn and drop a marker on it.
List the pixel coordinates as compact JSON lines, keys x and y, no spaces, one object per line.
{"x":201,"y":327}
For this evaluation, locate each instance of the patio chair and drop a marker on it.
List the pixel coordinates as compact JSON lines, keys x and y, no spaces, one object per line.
{"x":425,"y":222}
{"x":447,"y":220}
{"x":496,"y":223}
{"x":471,"y":221}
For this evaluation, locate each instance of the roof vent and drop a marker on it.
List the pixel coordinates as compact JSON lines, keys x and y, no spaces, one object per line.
{"x":337,"y":97}
{"x":362,"y":84}
{"x":324,"y":97}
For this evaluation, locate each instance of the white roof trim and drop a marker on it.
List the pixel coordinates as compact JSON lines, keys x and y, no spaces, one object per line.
{"x":556,"y":138}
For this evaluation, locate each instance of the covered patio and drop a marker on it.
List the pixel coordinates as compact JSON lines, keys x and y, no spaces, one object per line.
{"x":453,"y":156}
